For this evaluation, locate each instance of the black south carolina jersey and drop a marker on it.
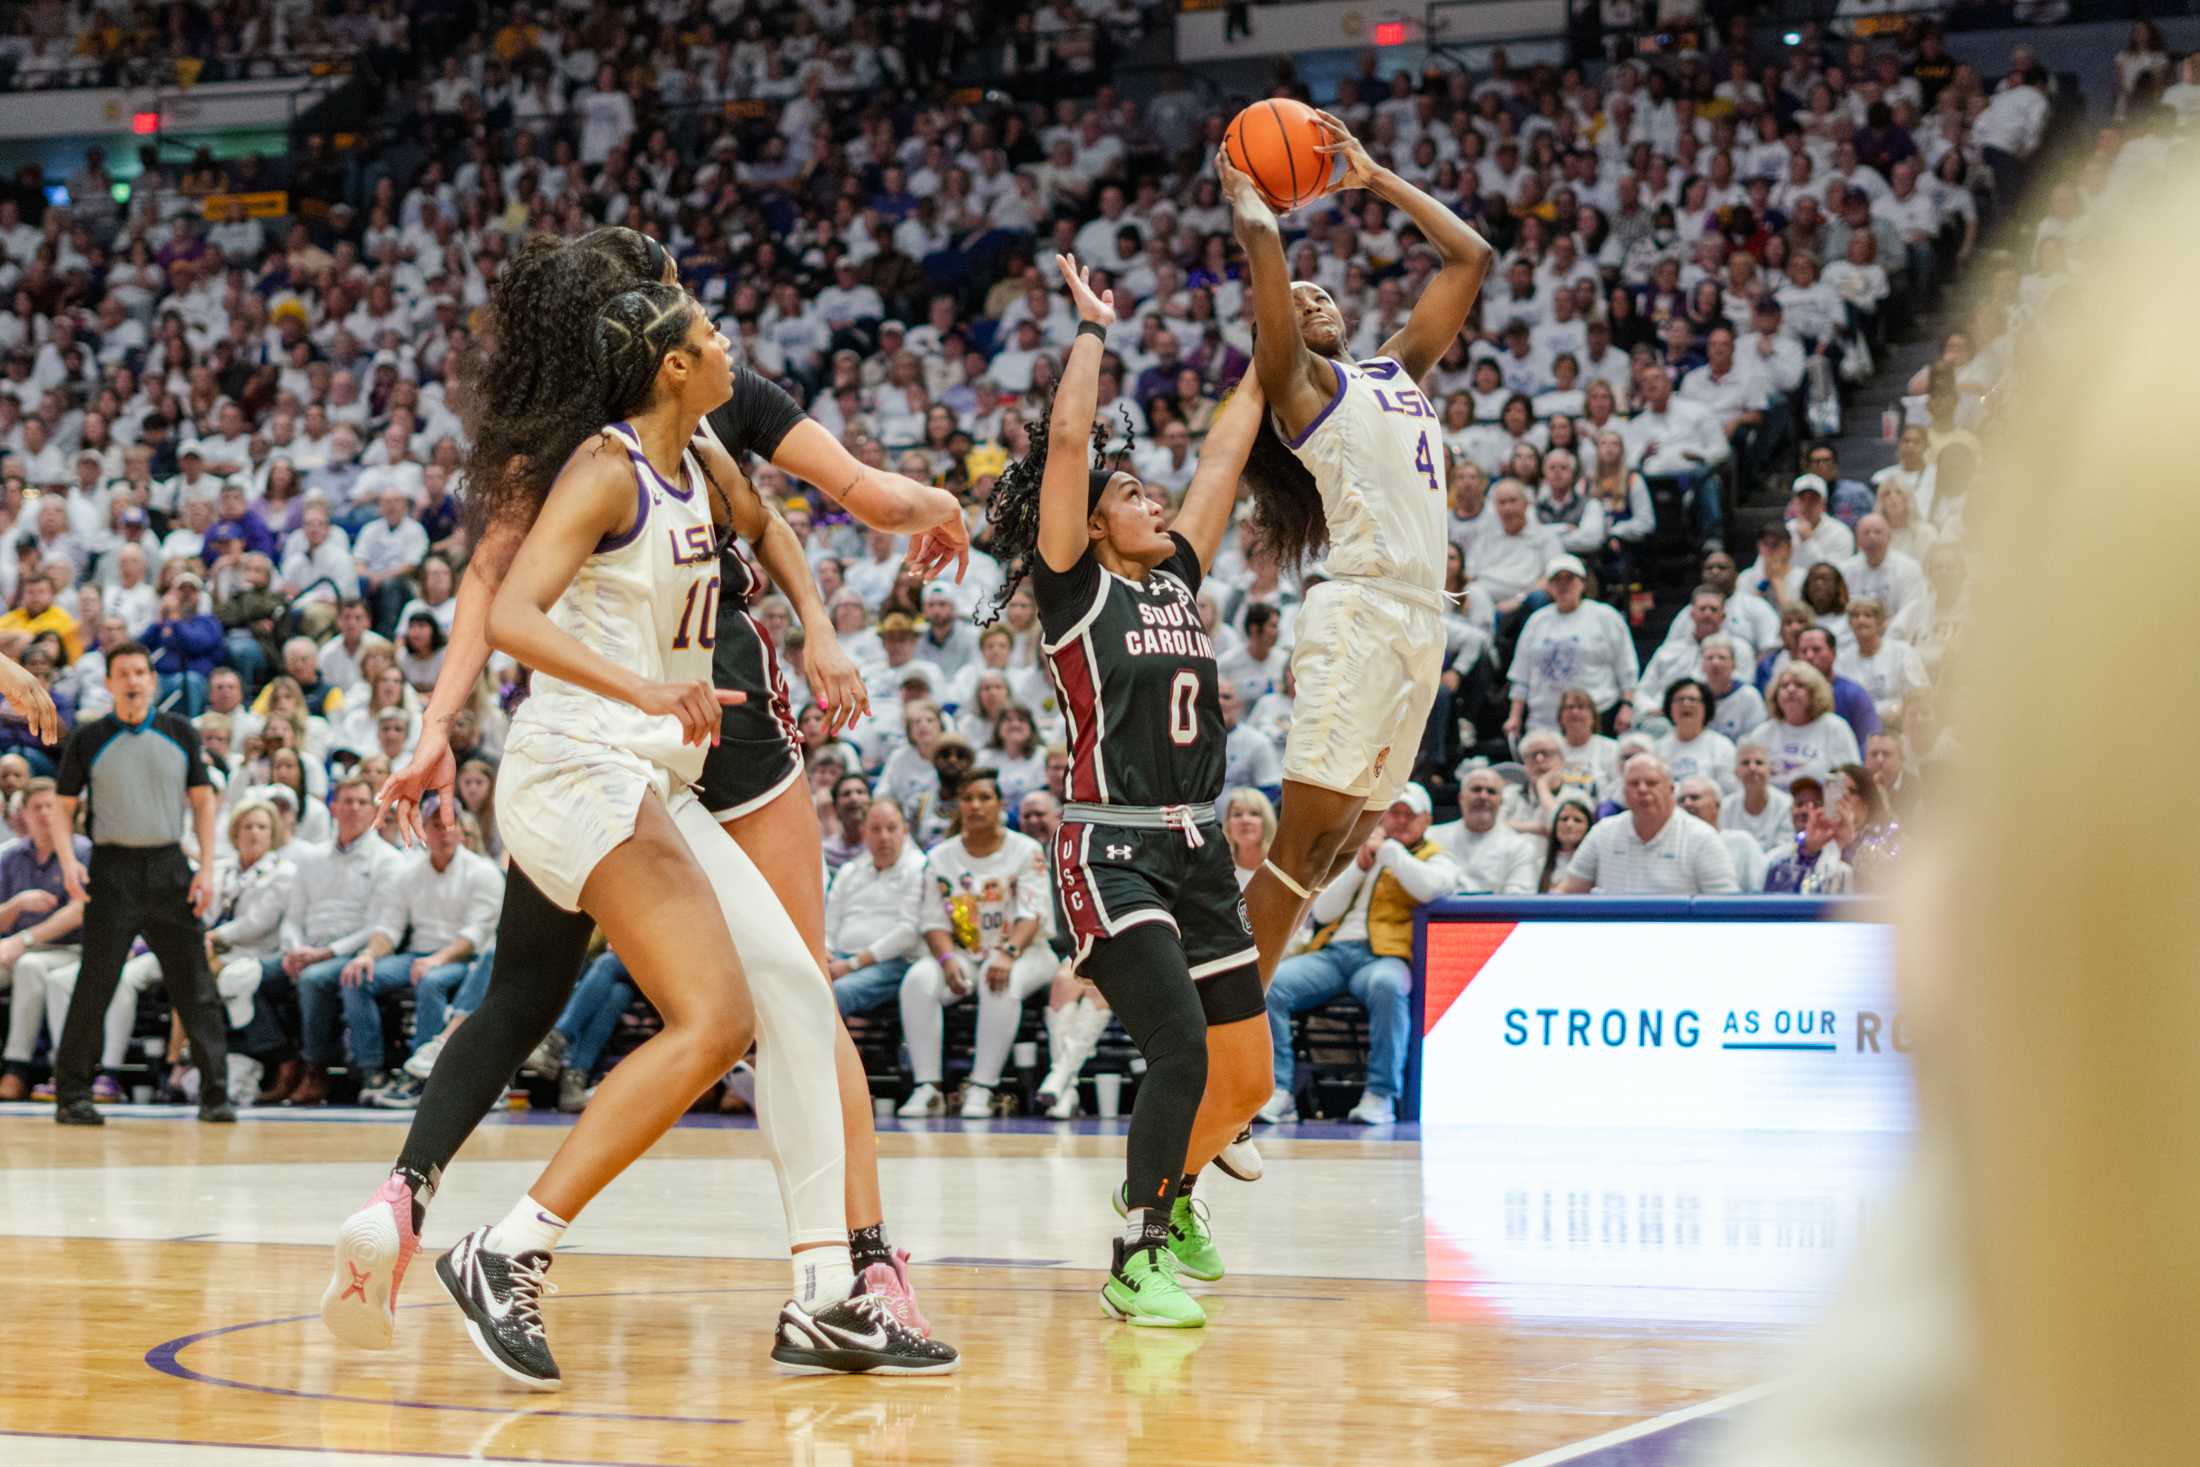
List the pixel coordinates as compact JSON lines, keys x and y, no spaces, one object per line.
{"x":1135,"y":673}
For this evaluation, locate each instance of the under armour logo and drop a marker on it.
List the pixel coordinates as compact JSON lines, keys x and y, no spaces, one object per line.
{"x":1119,"y":853}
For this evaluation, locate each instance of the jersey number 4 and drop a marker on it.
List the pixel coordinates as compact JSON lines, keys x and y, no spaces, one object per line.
{"x":1426,"y":463}
{"x":706,"y":626}
{"x":1184,"y":709}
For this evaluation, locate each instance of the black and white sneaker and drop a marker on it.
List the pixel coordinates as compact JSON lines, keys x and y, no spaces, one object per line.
{"x":857,"y":1336}
{"x":501,"y":1297}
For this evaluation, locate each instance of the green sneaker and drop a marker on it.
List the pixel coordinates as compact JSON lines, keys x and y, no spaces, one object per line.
{"x":1142,"y":1290}
{"x":1190,"y":1239}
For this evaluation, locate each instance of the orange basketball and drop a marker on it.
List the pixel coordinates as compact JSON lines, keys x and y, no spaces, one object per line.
{"x":1274,"y":143}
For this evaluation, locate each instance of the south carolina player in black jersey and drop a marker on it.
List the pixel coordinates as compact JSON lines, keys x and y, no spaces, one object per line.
{"x":1140,"y":863}
{"x":539,"y":946}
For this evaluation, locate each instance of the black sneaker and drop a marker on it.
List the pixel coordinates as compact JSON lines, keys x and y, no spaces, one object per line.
{"x":220,"y":1113}
{"x":857,"y":1336}
{"x":501,"y":1297}
{"x":78,"y":1113}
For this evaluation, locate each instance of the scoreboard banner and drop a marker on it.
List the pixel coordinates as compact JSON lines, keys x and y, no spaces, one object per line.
{"x":1714,"y":1014}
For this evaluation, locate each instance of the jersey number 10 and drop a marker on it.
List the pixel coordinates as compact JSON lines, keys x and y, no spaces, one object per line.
{"x":705,"y":627}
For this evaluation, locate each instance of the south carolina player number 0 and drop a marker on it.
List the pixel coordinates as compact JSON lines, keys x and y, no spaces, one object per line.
{"x":1183,"y":708}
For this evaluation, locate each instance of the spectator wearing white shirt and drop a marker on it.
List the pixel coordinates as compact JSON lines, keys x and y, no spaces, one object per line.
{"x":1737,"y":707}
{"x":339,"y":656}
{"x":1679,"y":441}
{"x":1571,"y":643}
{"x":1256,"y":669}
{"x":1803,"y":735}
{"x":1762,"y":810}
{"x":385,"y":554}
{"x":871,"y":913}
{"x":1691,"y":747}
{"x":1817,"y":536}
{"x":1491,"y":857}
{"x":437,"y":913}
{"x":1887,"y":669}
{"x":319,"y":552}
{"x":1880,"y":571}
{"x":1507,"y":559}
{"x":1681,"y":654}
{"x":1250,"y":759}
{"x":1169,"y":464}
{"x":333,"y":904}
{"x":1702,"y":798}
{"x":1725,"y":387}
{"x":987,"y":903}
{"x":1653,"y":848}
{"x":133,"y":597}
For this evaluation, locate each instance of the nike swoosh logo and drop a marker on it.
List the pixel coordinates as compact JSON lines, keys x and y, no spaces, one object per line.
{"x":876,"y":1340}
{"x":495,"y":1308}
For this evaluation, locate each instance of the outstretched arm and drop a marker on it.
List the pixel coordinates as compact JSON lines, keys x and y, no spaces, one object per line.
{"x":830,"y":672}
{"x":1299,"y":384}
{"x":1064,"y":491}
{"x":1449,"y":295}
{"x":881,"y":500}
{"x":1205,"y":516}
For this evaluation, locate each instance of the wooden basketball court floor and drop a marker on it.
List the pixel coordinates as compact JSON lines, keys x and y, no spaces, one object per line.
{"x":1520,"y":1296}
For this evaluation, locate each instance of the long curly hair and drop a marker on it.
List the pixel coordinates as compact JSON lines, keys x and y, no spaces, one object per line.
{"x":1287,"y":517}
{"x":1013,"y":511}
{"x":531,"y":390}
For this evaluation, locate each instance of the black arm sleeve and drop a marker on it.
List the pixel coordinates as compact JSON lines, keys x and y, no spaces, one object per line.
{"x":757,"y":418}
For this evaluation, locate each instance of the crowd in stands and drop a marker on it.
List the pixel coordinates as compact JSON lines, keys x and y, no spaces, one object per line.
{"x":238,"y":444}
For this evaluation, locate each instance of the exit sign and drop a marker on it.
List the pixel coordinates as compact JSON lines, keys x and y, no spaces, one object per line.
{"x":1390,"y":33}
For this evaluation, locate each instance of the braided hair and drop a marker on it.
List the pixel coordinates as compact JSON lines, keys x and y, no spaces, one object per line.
{"x":541,"y":382}
{"x":1013,"y":511}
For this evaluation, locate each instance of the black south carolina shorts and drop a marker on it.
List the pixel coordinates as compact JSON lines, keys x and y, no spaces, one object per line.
{"x":758,"y":752}
{"x":1113,"y":877}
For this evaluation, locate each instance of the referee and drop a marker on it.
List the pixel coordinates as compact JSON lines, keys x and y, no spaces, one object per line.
{"x":142,"y":769}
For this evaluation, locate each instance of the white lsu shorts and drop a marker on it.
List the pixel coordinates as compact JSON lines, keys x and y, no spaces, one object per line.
{"x":563,"y":804}
{"x":1367,"y":664}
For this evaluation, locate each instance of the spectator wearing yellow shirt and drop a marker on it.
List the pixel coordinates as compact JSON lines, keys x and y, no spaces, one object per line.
{"x":40,"y":613}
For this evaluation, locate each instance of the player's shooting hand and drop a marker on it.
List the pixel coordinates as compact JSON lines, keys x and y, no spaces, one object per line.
{"x":1090,"y":307}
{"x":1238,"y":188}
{"x":1359,"y":169}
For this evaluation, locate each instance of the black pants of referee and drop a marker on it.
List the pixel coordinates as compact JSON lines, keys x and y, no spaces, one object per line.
{"x":142,"y":892}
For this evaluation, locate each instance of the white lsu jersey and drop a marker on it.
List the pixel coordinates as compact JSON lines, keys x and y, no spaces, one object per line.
{"x":647,"y":600}
{"x":1377,"y":455}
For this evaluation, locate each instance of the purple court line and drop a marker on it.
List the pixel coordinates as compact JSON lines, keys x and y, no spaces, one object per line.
{"x":179,"y":1441}
{"x":164,"y":1357}
{"x":1678,"y":1445}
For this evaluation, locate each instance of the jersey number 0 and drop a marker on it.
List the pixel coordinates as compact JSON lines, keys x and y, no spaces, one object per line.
{"x":1184,"y":709}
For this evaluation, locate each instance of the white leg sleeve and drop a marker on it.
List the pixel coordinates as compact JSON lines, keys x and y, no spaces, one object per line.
{"x":25,"y":1013}
{"x":797,"y":1079}
{"x":923,"y":995}
{"x":138,"y":974}
{"x":999,"y":1013}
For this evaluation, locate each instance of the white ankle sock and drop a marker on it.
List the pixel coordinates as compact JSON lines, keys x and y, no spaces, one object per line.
{"x":528,"y":1228}
{"x":823,"y":1276}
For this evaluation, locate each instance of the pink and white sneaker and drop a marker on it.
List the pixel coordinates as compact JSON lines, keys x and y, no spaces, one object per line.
{"x":890,"y":1284}
{"x":376,"y":1244}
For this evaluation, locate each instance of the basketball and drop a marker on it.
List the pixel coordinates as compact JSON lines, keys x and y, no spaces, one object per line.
{"x":1275,"y":144}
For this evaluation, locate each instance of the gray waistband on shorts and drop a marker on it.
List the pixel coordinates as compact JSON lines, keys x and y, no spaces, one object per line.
{"x":1143,"y":817}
